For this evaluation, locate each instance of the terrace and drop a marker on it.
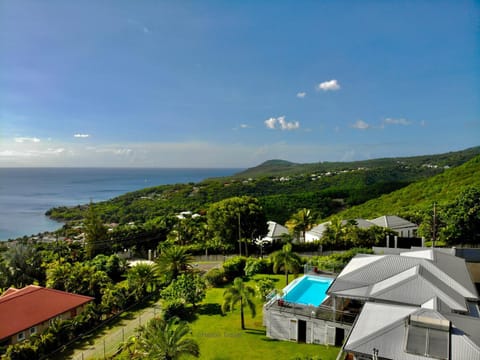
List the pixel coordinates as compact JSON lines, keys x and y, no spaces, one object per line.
{"x":303,"y":312}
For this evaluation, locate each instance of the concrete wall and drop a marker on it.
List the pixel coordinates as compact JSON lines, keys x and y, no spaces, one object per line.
{"x":284,"y":326}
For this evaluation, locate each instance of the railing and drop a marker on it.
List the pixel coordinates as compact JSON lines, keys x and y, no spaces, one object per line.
{"x":318,"y":312}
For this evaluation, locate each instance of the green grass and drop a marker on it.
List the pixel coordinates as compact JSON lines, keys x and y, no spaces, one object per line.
{"x":220,"y":336}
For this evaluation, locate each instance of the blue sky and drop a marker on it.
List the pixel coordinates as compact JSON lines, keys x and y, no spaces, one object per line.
{"x":235,"y":83}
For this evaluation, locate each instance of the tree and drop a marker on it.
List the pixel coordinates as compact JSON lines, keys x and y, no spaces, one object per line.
{"x":142,"y":279}
{"x":237,"y":218}
{"x":286,"y":260}
{"x":239,"y":293}
{"x":189,"y":288}
{"x":166,"y":339}
{"x":95,"y":232}
{"x":24,"y":265}
{"x":172,"y":261}
{"x":301,"y":222}
{"x":335,"y":234}
{"x":463,"y":218}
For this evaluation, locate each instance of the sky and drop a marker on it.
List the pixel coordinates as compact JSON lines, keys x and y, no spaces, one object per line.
{"x":235,"y":83}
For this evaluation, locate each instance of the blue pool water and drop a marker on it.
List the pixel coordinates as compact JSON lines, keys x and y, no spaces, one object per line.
{"x":308,"y":290}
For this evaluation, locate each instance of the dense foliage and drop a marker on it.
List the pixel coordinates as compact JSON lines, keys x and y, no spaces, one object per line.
{"x":325,"y":188}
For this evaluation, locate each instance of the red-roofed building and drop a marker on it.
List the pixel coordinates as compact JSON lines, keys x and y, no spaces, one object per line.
{"x":28,"y":311}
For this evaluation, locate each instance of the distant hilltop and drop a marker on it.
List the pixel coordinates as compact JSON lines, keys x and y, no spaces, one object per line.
{"x":278,"y":167}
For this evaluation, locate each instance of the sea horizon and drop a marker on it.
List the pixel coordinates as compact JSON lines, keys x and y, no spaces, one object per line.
{"x":26,"y":193}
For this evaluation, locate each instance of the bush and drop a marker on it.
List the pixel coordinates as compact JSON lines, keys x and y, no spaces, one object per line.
{"x":337,"y":261}
{"x":234,"y":267}
{"x":215,"y":277}
{"x":265,"y":286}
{"x":174,"y":308}
{"x":258,"y":266}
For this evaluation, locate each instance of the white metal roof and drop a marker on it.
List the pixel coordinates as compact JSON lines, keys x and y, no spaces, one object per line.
{"x":393,"y":222}
{"x":382,"y":272}
{"x":384,"y":327}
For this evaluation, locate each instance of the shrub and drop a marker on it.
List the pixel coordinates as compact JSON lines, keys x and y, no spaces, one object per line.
{"x":234,"y":267}
{"x":215,"y":277}
{"x":265,"y":286}
{"x":174,"y":308}
{"x":257,"y":266}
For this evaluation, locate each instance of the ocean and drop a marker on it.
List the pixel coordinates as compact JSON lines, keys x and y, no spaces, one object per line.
{"x":27,"y":193}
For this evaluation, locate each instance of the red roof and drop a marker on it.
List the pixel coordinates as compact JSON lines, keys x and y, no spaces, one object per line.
{"x":24,"y":308}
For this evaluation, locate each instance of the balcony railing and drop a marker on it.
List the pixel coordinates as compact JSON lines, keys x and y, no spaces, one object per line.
{"x":321,"y":312}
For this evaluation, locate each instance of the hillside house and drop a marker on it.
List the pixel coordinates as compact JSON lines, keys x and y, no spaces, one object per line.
{"x":274,"y":234}
{"x":402,"y":305}
{"x":28,"y":311}
{"x":402,"y":227}
{"x":317,"y":232}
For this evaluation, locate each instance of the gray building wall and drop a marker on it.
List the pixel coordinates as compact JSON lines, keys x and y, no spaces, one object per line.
{"x":284,"y":326}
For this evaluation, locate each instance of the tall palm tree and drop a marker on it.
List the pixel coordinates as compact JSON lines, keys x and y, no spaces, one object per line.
{"x":173,"y":260}
{"x":239,"y":293}
{"x":166,"y":339}
{"x":286,"y":260}
{"x":301,"y":222}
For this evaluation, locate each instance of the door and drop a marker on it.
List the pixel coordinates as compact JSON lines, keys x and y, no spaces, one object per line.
{"x":302,"y":331}
{"x":339,"y":336}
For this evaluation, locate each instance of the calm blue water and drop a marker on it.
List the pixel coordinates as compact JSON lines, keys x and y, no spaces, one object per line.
{"x":25,"y":194}
{"x":309,"y":290}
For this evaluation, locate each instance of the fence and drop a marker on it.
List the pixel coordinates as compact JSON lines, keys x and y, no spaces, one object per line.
{"x":109,"y":344}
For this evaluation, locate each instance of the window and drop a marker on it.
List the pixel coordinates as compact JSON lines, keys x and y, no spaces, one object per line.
{"x":33,"y":330}
{"x":428,"y":337}
{"x":21,"y":336}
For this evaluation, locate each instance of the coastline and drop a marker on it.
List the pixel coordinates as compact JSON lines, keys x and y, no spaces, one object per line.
{"x":26,"y":194}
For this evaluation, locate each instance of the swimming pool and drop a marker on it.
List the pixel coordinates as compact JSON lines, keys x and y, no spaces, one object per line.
{"x":307,"y":290}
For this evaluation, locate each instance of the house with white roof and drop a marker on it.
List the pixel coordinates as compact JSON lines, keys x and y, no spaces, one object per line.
{"x":274,"y":234}
{"x":388,"y":331}
{"x":403,"y":227}
{"x":417,"y":305}
{"x":413,"y":305}
{"x":317,"y":232}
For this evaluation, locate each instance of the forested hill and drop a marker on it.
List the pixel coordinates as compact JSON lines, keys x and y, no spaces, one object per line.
{"x":324,"y":192}
{"x":419,"y":197}
{"x":285,"y":168}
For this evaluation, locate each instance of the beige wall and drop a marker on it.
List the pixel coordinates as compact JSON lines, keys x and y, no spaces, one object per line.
{"x":474,"y":270}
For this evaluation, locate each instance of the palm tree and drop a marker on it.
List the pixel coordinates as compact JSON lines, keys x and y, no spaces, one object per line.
{"x":301,"y":222}
{"x":166,"y":339}
{"x":142,"y":279}
{"x":173,"y":260}
{"x":286,"y":260}
{"x":239,"y":292}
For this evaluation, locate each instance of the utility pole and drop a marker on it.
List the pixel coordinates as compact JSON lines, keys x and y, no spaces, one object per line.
{"x":434,"y":230}
{"x":239,"y":234}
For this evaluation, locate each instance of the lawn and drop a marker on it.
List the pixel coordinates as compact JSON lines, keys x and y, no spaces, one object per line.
{"x":220,"y":336}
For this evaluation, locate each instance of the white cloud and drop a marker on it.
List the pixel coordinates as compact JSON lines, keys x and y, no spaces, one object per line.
{"x":82,"y":136}
{"x":391,"y":121}
{"x":270,"y":123}
{"x":282,"y":123}
{"x":360,"y":124}
{"x":26,"y":139}
{"x":244,"y":126}
{"x":301,"y":95}
{"x":331,"y":85}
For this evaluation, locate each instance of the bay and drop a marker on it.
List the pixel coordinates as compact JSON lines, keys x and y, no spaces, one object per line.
{"x":27,"y":193}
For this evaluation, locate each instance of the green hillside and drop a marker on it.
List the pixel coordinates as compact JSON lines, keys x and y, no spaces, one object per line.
{"x":286,"y":168}
{"x":344,"y":185}
{"x":419,"y":196}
